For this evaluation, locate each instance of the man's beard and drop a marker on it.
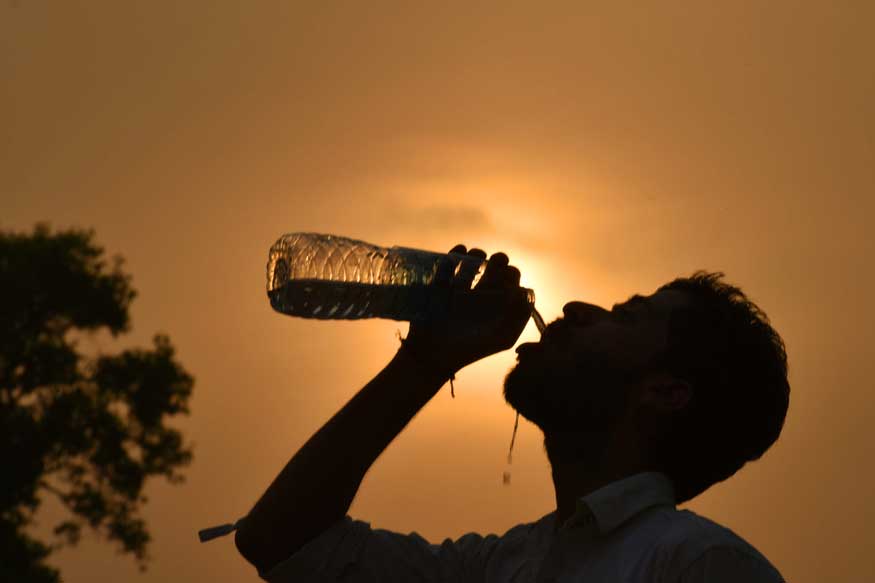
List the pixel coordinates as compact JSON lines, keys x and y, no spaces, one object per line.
{"x":576,"y":406}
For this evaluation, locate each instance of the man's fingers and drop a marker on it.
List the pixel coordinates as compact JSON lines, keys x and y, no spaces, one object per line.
{"x":447,"y":267}
{"x":512,"y":276}
{"x":461,"y":273}
{"x":468,"y":269}
{"x":493,"y":276}
{"x":479,"y":253}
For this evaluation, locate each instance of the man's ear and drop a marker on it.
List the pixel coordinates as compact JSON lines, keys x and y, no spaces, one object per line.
{"x":666,"y":393}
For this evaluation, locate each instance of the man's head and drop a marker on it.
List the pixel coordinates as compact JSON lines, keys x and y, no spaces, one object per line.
{"x":695,"y":371}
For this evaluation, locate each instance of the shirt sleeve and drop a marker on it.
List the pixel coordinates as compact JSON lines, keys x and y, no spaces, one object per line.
{"x":730,"y":565}
{"x":352,"y":552}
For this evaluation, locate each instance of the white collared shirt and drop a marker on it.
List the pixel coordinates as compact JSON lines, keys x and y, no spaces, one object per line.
{"x":628,"y":531}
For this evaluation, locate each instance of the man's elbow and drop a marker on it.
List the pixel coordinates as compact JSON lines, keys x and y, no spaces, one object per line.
{"x":247,"y":545}
{"x":265,"y":548}
{"x":263,"y":551}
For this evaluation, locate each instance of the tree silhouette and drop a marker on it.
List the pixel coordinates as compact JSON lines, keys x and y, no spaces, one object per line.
{"x":87,"y":430}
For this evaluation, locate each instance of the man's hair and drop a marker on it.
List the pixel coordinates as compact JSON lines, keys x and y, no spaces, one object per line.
{"x":725,"y":347}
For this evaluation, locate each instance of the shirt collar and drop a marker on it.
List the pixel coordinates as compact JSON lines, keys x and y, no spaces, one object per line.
{"x":612,"y":505}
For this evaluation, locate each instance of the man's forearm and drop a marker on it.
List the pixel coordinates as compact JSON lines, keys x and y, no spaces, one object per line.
{"x":317,"y":486}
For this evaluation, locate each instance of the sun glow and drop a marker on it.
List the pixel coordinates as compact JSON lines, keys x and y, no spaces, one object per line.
{"x":497,"y":204}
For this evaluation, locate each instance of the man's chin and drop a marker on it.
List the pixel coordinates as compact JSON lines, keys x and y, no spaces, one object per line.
{"x":556,"y":402}
{"x":525,"y":393}
{"x":513,"y":386}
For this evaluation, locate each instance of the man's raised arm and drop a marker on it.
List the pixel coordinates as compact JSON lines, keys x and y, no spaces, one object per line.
{"x":317,"y":486}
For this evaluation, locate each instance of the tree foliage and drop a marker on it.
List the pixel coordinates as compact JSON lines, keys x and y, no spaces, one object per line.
{"x":87,"y":430}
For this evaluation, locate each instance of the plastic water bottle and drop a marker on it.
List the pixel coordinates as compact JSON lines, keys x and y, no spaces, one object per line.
{"x":312,"y":275}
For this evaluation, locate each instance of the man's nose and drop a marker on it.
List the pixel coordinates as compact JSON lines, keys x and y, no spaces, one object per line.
{"x":582,"y":314}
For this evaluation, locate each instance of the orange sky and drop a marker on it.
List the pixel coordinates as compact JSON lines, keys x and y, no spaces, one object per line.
{"x":605,"y":150}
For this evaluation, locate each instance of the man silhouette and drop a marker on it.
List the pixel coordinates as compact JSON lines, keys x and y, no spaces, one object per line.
{"x":642,"y":407}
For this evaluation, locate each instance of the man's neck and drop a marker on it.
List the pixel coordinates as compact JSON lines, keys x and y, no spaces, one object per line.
{"x":573,"y":482}
{"x":576,"y":479}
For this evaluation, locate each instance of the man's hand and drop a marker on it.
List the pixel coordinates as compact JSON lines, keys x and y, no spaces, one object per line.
{"x":479,"y":322}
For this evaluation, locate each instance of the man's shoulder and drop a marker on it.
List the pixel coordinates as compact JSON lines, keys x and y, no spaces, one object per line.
{"x":524,"y":533}
{"x":689,"y":528}
{"x":689,"y":536}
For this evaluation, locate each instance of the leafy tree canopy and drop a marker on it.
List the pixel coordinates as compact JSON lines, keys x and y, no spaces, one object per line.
{"x":87,"y":430}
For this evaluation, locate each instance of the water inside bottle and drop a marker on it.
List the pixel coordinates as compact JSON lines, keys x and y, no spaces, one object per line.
{"x":317,"y":298}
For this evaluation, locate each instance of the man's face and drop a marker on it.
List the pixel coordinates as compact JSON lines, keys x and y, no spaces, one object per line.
{"x":576,"y":378}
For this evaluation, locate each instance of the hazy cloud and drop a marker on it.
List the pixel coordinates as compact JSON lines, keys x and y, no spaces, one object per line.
{"x":442,"y":218}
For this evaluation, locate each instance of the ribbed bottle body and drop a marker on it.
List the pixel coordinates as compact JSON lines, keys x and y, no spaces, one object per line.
{"x":312,"y":275}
